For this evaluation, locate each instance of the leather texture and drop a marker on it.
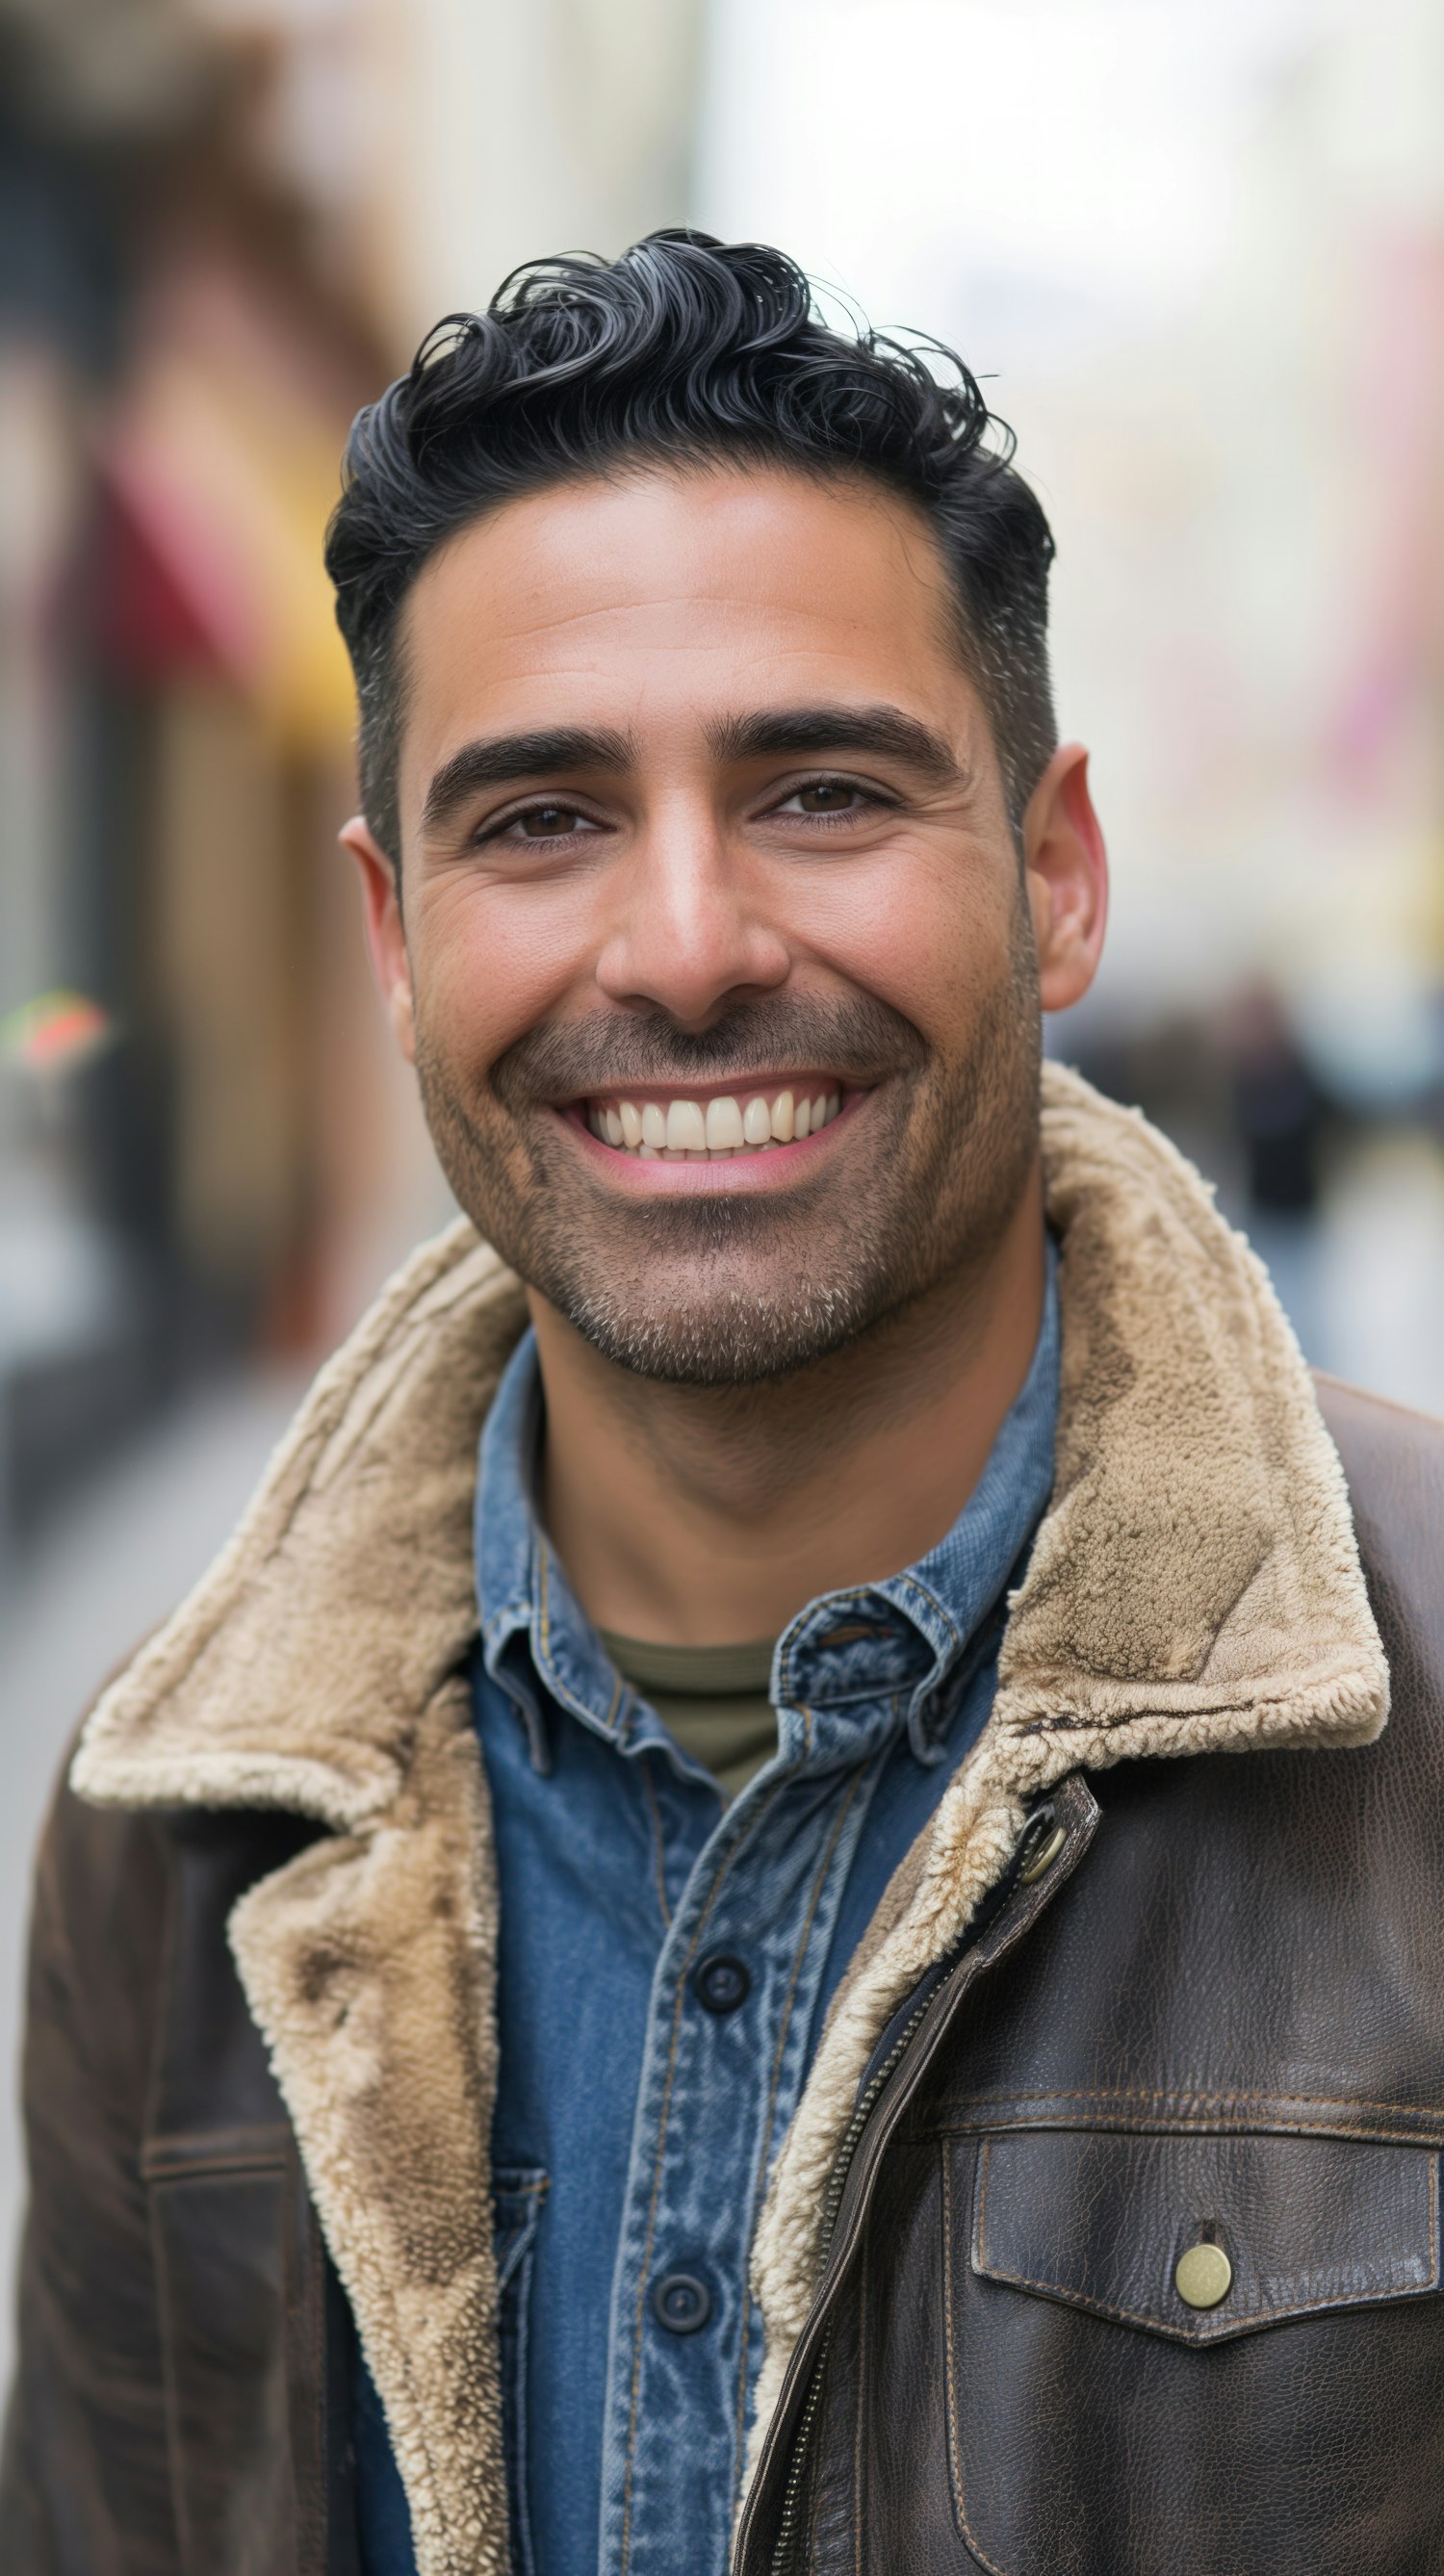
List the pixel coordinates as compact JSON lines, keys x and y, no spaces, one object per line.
{"x":1219,"y":2010}
{"x":182,"y":2405}
{"x":1225,"y":2025}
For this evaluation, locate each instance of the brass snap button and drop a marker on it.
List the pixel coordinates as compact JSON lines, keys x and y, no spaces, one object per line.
{"x":1204,"y":2276}
{"x":1043,"y":1839}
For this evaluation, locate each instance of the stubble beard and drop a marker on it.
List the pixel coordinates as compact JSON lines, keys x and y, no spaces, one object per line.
{"x":730,"y":1291}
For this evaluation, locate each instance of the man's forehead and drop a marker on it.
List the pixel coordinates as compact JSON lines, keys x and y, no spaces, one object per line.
{"x":690,"y":597}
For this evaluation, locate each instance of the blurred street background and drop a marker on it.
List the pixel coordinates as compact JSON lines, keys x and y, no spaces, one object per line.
{"x":1195,"y":248}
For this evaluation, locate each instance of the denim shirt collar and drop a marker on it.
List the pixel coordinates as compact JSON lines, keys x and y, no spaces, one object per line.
{"x":907,"y":1645}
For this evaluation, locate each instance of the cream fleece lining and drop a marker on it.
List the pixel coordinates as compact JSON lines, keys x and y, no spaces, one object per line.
{"x":1194,"y":1585}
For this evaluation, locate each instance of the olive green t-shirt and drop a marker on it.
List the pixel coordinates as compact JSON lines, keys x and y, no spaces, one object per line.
{"x":714,"y":1701}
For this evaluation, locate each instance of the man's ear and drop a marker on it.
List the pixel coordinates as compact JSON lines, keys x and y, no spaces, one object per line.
{"x":1067,"y":878}
{"x":385,"y":934}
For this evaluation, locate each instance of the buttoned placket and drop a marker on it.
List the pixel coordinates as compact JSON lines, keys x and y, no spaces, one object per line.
{"x":746,"y":1902}
{"x":761,"y":1898}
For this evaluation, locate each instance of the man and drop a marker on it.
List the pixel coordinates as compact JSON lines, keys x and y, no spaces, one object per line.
{"x":630,"y":1984}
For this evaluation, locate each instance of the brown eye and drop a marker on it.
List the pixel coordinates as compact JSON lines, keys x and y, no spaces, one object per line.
{"x":549,"y":822}
{"x":826,"y":796}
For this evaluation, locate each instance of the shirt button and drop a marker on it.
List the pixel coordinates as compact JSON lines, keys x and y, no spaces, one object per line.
{"x":723,"y":1982}
{"x":682,"y":2302}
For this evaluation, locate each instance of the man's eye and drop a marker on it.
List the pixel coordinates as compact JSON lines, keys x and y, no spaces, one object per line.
{"x":825,"y":796}
{"x":547,"y":822}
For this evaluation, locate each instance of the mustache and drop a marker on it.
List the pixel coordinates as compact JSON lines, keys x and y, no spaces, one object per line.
{"x":856,"y":1036}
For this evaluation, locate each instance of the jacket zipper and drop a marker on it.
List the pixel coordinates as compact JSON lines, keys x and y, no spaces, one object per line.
{"x":784,"y":2553}
{"x":785,"y":2559}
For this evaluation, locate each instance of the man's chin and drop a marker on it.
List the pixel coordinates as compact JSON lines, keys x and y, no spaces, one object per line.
{"x":733,"y":1337}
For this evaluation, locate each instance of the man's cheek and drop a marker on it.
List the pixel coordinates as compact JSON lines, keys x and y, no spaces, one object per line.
{"x":470,"y":1012}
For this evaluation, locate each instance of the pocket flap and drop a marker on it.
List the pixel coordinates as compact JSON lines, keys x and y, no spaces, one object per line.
{"x":1102,"y":2221}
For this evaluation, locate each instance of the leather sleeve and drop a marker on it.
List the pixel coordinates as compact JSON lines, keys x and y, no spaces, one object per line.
{"x":85,"y":2488}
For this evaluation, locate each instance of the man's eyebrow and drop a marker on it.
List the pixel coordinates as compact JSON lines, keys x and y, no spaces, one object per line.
{"x":779,"y":732}
{"x":505,"y":757}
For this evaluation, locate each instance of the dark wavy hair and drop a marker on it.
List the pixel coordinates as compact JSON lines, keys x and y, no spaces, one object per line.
{"x":685,"y":350}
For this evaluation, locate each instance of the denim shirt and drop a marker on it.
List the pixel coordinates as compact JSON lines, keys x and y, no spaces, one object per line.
{"x":665,"y":1965}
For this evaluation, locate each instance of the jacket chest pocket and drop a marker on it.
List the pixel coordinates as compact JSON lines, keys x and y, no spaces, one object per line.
{"x":238,"y":2292}
{"x":1219,"y":2355}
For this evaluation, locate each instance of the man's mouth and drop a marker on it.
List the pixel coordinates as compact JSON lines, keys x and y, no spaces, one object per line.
{"x":715,"y":1127}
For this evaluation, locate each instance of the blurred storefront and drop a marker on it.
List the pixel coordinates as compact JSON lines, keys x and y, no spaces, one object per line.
{"x":223,"y":225}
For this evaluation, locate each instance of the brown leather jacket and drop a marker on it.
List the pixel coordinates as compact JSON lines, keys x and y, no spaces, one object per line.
{"x":1216,"y":2016}
{"x":1115,"y":2008}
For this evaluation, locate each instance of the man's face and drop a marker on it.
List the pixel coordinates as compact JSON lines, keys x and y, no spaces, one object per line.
{"x":718,"y":966}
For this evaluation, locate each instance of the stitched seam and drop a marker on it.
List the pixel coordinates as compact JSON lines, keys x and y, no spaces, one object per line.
{"x":160,"y":2175}
{"x":950,"y":2358}
{"x":523,"y":2549}
{"x":1196,"y":2093}
{"x":1414,"y":2140}
{"x":517,"y":1611}
{"x":1190,"y":2128}
{"x":180,"y":2155}
{"x":804,"y":1938}
{"x":723,"y":1863}
{"x":658,"y":1841}
{"x":934,"y":1604}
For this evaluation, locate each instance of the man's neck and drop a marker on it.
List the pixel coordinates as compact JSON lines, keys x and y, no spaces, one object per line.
{"x":710,"y":1515}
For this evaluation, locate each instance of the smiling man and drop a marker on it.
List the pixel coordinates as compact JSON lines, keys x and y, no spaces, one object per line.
{"x":627,"y":1986}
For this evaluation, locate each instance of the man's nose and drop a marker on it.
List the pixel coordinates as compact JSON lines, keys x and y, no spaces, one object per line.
{"x":692,"y":932}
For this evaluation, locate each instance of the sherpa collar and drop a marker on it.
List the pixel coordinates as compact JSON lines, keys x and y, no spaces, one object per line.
{"x":1194,"y":1585}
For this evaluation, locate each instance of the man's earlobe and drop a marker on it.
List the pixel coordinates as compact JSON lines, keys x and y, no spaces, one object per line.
{"x":385,"y":930}
{"x":399,"y":1012}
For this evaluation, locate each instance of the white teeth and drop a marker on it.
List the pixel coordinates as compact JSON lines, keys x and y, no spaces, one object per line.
{"x":697,"y":1132}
